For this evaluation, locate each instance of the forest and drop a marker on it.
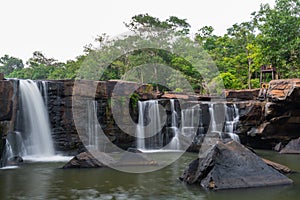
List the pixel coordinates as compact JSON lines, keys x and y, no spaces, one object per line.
{"x":270,"y":37}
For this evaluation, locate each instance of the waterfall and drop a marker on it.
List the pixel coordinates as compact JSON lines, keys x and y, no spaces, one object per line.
{"x":8,"y":151}
{"x":223,"y":120}
{"x":231,"y":120}
{"x":43,"y":87}
{"x":140,"y":127}
{"x":148,"y":130}
{"x":187,"y":121}
{"x":224,"y":117}
{"x":92,"y":125}
{"x":213,"y":124}
{"x":175,"y":143}
{"x":36,"y":133}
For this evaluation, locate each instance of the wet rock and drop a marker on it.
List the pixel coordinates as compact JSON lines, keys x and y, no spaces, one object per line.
{"x":229,"y":166}
{"x":278,"y":147}
{"x":15,"y":160}
{"x":284,"y":90}
{"x":279,"y":167}
{"x":135,"y":159}
{"x":6,"y":100}
{"x":88,"y":160}
{"x":292,"y":147}
{"x":133,"y":150}
{"x":251,"y":94}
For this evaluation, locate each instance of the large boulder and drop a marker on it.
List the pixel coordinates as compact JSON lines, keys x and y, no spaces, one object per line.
{"x":292,"y":147}
{"x":97,"y":159}
{"x":229,"y":166}
{"x":135,"y":159}
{"x":88,"y":160}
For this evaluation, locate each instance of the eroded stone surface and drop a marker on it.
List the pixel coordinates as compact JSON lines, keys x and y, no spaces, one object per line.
{"x":231,"y":165}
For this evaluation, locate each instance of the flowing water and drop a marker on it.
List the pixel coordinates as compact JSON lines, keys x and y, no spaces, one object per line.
{"x":48,"y":181}
{"x":149,"y":125}
{"x":38,"y":142}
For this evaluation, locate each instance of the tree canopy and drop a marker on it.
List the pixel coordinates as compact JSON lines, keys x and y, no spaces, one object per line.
{"x":271,"y":36}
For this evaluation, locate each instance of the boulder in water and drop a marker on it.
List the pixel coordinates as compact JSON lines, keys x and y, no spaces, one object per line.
{"x":135,"y":159}
{"x":293,"y":147}
{"x":229,"y":166}
{"x":15,"y":160}
{"x":88,"y":160}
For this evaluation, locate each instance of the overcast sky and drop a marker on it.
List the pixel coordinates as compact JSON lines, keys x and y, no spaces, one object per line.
{"x":60,"y":28}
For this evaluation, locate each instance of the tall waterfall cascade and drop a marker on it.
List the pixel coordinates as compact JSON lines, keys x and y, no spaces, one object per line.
{"x":36,"y":133}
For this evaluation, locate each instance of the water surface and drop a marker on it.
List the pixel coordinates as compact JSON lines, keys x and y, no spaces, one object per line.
{"x":40,"y":180}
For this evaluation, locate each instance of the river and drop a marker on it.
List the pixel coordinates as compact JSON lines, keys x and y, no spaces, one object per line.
{"x":44,"y":180}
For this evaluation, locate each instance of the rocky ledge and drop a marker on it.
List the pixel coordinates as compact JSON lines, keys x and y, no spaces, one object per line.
{"x":230,"y":166}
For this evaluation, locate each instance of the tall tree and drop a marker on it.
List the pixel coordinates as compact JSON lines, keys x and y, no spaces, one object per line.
{"x":8,"y":64}
{"x":280,"y":36}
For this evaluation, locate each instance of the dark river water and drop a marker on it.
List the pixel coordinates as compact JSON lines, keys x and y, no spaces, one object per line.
{"x":40,"y":180}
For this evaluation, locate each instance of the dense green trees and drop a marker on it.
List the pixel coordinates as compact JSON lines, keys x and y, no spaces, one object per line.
{"x":279,"y":36}
{"x":272,"y":36}
{"x":8,"y":64}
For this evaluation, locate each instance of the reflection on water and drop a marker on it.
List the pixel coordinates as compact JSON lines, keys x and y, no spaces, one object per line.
{"x":47,"y":181}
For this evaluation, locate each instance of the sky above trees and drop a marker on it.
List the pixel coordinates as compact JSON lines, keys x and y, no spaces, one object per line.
{"x":60,"y":29}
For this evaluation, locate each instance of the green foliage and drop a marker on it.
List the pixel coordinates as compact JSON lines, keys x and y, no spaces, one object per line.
{"x":279,"y":36}
{"x":8,"y":64}
{"x":134,"y":98}
{"x":272,"y":36}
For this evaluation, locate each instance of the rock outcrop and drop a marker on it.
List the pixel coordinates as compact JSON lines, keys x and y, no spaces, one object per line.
{"x":261,"y":124}
{"x":8,"y":112}
{"x":97,"y":159}
{"x":88,"y":160}
{"x":293,"y":147}
{"x":229,"y":166}
{"x":284,"y":90}
{"x":241,"y":95}
{"x":265,"y":124}
{"x":7,"y":92}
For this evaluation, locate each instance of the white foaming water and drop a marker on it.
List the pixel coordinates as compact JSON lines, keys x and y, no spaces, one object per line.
{"x":92,"y":125}
{"x":175,"y":143}
{"x":152,"y":128}
{"x":8,"y":150}
{"x":231,"y":120}
{"x":213,"y":124}
{"x":54,"y":158}
{"x":38,"y":142}
{"x":140,"y":127}
{"x":9,"y":167}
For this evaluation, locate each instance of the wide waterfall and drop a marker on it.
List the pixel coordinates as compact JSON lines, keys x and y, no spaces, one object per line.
{"x":221,"y":118}
{"x":36,"y":129}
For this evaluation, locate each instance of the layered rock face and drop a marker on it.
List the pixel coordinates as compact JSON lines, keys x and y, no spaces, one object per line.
{"x":264,"y":124}
{"x":66,"y":95}
{"x":8,"y":110}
